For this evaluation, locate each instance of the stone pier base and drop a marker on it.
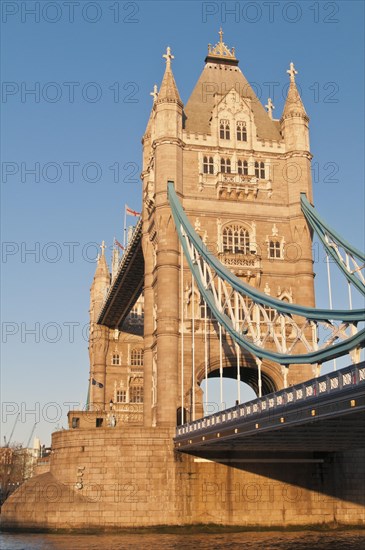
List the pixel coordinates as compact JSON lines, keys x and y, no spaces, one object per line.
{"x":132,"y":477}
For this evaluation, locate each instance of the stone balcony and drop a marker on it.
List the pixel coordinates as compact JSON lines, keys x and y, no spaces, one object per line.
{"x":243,"y":265}
{"x":240,"y":187}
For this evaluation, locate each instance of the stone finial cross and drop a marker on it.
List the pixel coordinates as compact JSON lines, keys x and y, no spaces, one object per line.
{"x":292,"y":72}
{"x":270,"y":107}
{"x":154,"y":94}
{"x":168,"y":56}
{"x":103,"y":247}
{"x":220,"y":35}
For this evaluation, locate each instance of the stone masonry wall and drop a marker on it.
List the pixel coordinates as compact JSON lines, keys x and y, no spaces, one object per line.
{"x":132,"y":477}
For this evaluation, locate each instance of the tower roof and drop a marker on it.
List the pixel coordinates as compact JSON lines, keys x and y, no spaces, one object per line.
{"x":219,"y":76}
{"x":168,"y":90}
{"x":102,"y":269}
{"x":293,"y":104}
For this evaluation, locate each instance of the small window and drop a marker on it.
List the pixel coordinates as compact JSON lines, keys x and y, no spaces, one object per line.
{"x":208,"y":165}
{"x":121,"y":396}
{"x":202,"y":310}
{"x":225,"y":166}
{"x":241,"y":131}
{"x":274,"y":249}
{"x":260,"y":170}
{"x":136,"y":394}
{"x":134,"y":312}
{"x":99,"y":422}
{"x":242,"y":167}
{"x":75,"y":422}
{"x":116,"y":359}
{"x":137,"y":357}
{"x":224,"y":131}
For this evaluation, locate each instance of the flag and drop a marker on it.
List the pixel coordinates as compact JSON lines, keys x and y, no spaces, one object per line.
{"x":131,"y":212}
{"x":95,"y":383}
{"x":120,"y":245}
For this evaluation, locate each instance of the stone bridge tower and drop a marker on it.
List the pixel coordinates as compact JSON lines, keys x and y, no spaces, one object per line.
{"x":238,"y":173}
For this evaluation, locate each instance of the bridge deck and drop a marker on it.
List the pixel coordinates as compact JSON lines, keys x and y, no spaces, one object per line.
{"x":325,"y":414}
{"x":127,"y":286}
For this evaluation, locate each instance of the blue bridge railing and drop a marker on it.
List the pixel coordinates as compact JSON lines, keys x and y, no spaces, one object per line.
{"x":308,"y":391}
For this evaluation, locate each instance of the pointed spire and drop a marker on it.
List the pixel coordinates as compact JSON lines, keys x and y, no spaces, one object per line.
{"x":115,"y":260}
{"x":168,"y":90}
{"x":102,"y":269}
{"x":293,"y":105}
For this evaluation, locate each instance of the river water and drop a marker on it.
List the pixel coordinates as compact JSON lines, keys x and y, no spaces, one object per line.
{"x":309,"y":540}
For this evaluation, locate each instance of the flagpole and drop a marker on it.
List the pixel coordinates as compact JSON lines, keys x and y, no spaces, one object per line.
{"x":125,"y":224}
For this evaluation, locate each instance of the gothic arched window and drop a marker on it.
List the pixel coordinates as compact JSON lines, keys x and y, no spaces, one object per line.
{"x":225,"y":166}
{"x":260,"y":170}
{"x":241,"y":131}
{"x":137,"y":357}
{"x":116,"y":359}
{"x":236,"y":239}
{"x":242,"y":167}
{"x":208,"y":165}
{"x":224,"y":131}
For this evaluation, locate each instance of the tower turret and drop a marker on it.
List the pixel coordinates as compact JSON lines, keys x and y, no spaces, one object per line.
{"x":98,"y":340}
{"x":163,"y":159}
{"x":294,"y":120}
{"x":168,"y":105}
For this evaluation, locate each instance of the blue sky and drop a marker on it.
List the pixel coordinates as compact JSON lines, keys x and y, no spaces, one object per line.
{"x":92,"y":71}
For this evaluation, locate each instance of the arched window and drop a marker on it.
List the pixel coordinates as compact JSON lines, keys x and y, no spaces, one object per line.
{"x":236,"y":239}
{"x":136,"y":394}
{"x":260,"y":170}
{"x":137,"y":357}
{"x":116,"y":359}
{"x":225,"y":166}
{"x":208,"y":165}
{"x":224,"y":131}
{"x":242,"y":167}
{"x":241,"y":131}
{"x":274,"y":249}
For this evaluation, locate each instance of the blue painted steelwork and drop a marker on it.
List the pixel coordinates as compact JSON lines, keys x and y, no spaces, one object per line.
{"x":185,"y":229}
{"x":323,"y":230}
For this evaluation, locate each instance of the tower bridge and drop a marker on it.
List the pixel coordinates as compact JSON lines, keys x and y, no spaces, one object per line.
{"x":207,"y":288}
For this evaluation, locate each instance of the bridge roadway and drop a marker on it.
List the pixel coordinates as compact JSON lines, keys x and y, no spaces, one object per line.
{"x":127,"y":285}
{"x":322,"y":415}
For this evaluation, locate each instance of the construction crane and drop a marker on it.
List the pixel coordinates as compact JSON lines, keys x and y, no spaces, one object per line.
{"x":31,"y":434}
{"x":7,"y":443}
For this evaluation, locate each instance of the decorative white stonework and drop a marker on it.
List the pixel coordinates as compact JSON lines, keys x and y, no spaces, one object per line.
{"x":285,"y":294}
{"x":292,"y":72}
{"x":154,"y":93}
{"x":220,"y":50}
{"x":168,"y":56}
{"x":274,"y":230}
{"x":197,"y":225}
{"x":270,"y":107}
{"x":267,"y":289}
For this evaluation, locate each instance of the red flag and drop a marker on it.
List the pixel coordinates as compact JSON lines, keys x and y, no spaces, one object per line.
{"x":131,"y":212}
{"x":120,"y":245}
